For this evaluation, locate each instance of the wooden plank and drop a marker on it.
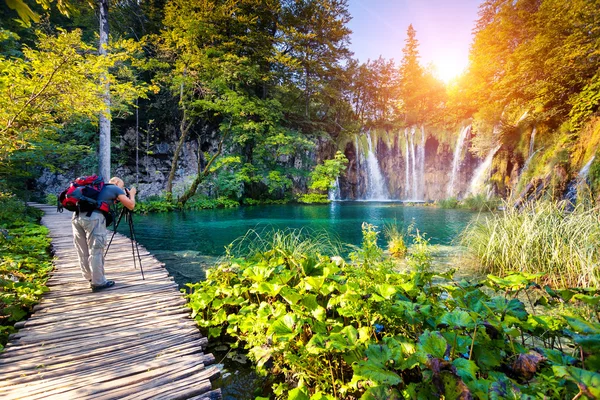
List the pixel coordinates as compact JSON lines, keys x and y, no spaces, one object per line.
{"x":102,"y":363}
{"x":136,"y":338}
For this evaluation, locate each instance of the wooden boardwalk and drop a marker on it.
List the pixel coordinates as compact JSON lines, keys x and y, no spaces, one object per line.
{"x":133,"y":341}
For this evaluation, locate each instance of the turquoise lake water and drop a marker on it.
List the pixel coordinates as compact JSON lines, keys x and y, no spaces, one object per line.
{"x":188,"y":242}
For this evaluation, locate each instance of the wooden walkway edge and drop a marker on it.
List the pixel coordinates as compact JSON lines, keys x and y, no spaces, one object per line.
{"x":135,"y":340}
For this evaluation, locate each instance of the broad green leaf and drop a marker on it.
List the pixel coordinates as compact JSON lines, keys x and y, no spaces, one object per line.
{"x":290,"y":295}
{"x":269,"y":288}
{"x":588,"y":342}
{"x":377,"y":374}
{"x":591,"y":300}
{"x":581,"y":326}
{"x":433,"y":344}
{"x":298,"y":394}
{"x":310,"y":302}
{"x":386,"y":291}
{"x":314,"y":282}
{"x":317,"y":344}
{"x":457,"y":318}
{"x":587,"y":381}
{"x":466,"y":369}
{"x":381,"y":393}
{"x":378,"y":354}
{"x":283,"y":328}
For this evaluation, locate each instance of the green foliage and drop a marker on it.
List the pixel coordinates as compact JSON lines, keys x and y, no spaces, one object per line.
{"x":540,"y":237}
{"x":314,"y":198}
{"x":24,"y":262}
{"x":57,"y":83}
{"x":162,"y":204}
{"x":480,"y":202}
{"x":396,"y":245}
{"x":451,"y":202}
{"x":51,"y":199}
{"x":323,"y":177}
{"x":319,"y":326}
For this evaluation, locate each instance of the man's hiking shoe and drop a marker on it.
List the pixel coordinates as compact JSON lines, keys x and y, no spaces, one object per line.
{"x":105,"y":286}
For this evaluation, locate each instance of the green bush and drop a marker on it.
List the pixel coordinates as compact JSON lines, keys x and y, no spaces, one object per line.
{"x":51,"y":199}
{"x":320,"y":327}
{"x":480,"y":202}
{"x":24,"y":262}
{"x":396,"y":244}
{"x":451,"y":202}
{"x":161,"y":204}
{"x":314,"y":198}
{"x":541,"y":237}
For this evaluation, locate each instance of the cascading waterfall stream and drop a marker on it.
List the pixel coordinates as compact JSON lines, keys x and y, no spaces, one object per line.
{"x":532,"y":141}
{"x":358,"y":164}
{"x":482,"y":172}
{"x":414,"y":164}
{"x":407,"y":165}
{"x":421,"y":192}
{"x":334,"y":192}
{"x":376,"y":188}
{"x":456,"y":159}
{"x":579,"y":181}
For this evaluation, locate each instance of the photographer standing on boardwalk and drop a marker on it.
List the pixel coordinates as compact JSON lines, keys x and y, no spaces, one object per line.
{"x":89,"y":233}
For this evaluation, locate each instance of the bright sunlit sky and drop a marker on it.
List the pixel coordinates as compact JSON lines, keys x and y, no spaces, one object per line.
{"x":443,"y":31}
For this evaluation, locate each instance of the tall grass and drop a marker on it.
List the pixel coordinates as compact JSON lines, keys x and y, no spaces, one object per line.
{"x":296,"y":243}
{"x":540,"y":237}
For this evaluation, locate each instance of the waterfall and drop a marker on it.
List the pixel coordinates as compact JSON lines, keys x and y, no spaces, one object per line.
{"x":578,"y":182}
{"x":334,"y":192}
{"x":414,"y":163}
{"x":358,"y":169}
{"x":585,"y":170}
{"x":421,"y":177}
{"x":532,"y":141}
{"x":407,"y":165}
{"x":456,"y":159}
{"x":376,"y":188}
{"x":481,"y":174}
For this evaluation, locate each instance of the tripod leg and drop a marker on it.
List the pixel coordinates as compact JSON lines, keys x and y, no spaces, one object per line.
{"x":128,"y":218}
{"x":115,"y":231}
{"x":132,"y":232}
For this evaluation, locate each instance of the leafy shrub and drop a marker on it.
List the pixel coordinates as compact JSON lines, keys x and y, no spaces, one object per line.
{"x":451,"y":202}
{"x":314,"y":198}
{"x":161,"y":204}
{"x":541,"y":237}
{"x":24,"y":263}
{"x":480,"y":202}
{"x":51,"y":199}
{"x":319,"y":326}
{"x":255,"y":202}
{"x":396,"y":245}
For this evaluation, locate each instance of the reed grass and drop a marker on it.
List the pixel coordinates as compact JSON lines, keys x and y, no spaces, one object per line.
{"x":292,"y":242}
{"x":540,"y":237}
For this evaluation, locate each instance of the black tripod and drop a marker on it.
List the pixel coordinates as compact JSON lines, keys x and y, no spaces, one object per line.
{"x":129,"y":218}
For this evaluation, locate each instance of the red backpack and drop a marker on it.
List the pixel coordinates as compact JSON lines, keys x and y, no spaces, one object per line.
{"x":82,"y":195}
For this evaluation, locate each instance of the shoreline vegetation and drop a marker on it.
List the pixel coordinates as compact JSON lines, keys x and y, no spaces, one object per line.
{"x":25,"y":262}
{"x":320,"y":326}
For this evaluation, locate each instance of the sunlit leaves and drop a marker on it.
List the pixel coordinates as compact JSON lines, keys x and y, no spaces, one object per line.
{"x":358,"y":328}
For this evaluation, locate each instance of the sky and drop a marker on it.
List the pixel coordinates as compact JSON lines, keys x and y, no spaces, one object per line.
{"x":443,"y":31}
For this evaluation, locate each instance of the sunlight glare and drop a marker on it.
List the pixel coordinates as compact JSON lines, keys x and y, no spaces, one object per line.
{"x":449,"y":68}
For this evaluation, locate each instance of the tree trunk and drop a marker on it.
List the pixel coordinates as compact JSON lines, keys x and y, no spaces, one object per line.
{"x":184,"y":132}
{"x":104,"y":146}
{"x":183,"y":129}
{"x":202,"y":175}
{"x":137,"y":143}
